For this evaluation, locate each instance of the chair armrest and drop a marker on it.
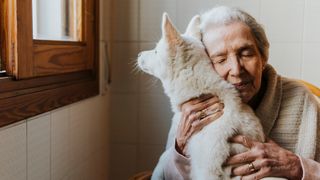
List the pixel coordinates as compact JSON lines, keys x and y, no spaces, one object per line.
{"x":314,"y":89}
{"x":145,"y":175}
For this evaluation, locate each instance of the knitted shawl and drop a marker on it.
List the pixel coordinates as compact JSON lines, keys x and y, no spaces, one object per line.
{"x":290,"y":115}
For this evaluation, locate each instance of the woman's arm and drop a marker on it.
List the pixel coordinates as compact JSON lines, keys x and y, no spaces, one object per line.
{"x":196,"y":114}
{"x":177,"y":167}
{"x":310,"y":168}
{"x":265,"y":160}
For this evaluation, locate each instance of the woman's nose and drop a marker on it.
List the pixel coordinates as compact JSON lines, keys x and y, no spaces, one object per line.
{"x":235,"y":66}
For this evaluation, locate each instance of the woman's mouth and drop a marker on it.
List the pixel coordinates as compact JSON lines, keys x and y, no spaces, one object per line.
{"x":242,"y":85}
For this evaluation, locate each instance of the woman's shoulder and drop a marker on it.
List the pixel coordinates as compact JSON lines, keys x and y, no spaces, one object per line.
{"x":294,"y":89}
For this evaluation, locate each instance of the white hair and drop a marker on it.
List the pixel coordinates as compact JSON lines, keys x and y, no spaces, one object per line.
{"x":222,"y":15}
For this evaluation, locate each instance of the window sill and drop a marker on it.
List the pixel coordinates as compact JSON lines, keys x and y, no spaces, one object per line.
{"x":23,"y":99}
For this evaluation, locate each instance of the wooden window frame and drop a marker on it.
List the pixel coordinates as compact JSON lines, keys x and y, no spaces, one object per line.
{"x":44,"y":75}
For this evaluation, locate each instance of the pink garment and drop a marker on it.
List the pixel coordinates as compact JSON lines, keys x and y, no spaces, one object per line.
{"x":178,"y":167}
{"x":310,"y":168}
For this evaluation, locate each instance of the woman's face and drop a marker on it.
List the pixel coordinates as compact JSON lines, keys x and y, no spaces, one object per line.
{"x":235,"y":57}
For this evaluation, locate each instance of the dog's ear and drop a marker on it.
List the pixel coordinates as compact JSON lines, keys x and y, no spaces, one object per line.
{"x":193,"y":28}
{"x":169,"y":32}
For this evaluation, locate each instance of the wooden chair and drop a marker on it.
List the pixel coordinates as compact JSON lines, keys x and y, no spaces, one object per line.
{"x":146,"y":175}
{"x":314,"y":89}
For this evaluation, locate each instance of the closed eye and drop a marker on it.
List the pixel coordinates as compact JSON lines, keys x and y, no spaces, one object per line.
{"x":219,"y":60}
{"x":246,"y":51}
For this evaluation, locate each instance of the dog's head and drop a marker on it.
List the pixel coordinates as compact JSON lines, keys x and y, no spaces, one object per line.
{"x":162,"y":61}
{"x":179,"y":61}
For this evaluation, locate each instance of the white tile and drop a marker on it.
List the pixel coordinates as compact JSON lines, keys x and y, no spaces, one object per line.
{"x":102,"y":161}
{"x":105,"y":19}
{"x":66,"y":177}
{"x":123,"y":161}
{"x":286,"y":58}
{"x":311,"y":63}
{"x":283,"y":19}
{"x":125,"y":20}
{"x":148,"y":156}
{"x":153,"y":134}
{"x":154,"y":109}
{"x":84,"y":171}
{"x":93,"y":168}
{"x":151,"y":15}
{"x":38,"y":149}
{"x":60,"y":143}
{"x":186,"y":9}
{"x":96,"y":123}
{"x":124,"y":76}
{"x":13,"y":152}
{"x":311,"y":19}
{"x":145,"y":46}
{"x":250,"y":6}
{"x":79,"y":132}
{"x":154,"y":118}
{"x":149,"y":83}
{"x":123,"y":119}
{"x":103,"y":130}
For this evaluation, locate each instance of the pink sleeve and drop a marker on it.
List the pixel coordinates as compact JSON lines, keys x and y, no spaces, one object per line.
{"x":177,"y":167}
{"x":310,"y":168}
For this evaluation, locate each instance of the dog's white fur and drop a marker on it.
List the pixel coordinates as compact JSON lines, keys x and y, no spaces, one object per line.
{"x":182,"y":65}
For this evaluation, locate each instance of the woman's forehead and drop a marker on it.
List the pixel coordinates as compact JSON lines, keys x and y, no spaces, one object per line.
{"x":230,"y":35}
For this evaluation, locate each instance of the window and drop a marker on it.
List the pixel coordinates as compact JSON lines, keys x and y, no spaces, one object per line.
{"x":44,"y":70}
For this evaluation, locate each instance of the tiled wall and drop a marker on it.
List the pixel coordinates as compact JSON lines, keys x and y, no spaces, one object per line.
{"x":140,"y":112}
{"x":70,"y":143}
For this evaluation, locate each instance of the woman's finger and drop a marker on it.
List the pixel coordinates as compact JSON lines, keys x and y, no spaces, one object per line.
{"x":268,"y":140}
{"x":207,"y":120}
{"x":193,"y":129}
{"x":197,"y":125}
{"x":264,"y":172}
{"x":193,"y":124}
{"x":194,"y":111}
{"x":244,"y":169}
{"x":196,"y":100}
{"x":244,"y":140}
{"x":198,"y":104}
{"x":212,"y":100}
{"x":214,"y":108}
{"x":253,"y":166}
{"x":241,"y":158}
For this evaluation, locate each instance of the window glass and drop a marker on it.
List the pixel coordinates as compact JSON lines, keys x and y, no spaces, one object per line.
{"x":56,"y":20}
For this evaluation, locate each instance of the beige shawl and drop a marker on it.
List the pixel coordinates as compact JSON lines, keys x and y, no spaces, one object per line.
{"x":290,"y":115}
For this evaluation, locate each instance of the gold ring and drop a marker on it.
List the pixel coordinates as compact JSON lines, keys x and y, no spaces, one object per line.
{"x":251,"y":167}
{"x":202,"y":114}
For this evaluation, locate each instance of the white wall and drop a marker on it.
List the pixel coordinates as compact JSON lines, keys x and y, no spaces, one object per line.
{"x":69,"y":143}
{"x":140,"y":113}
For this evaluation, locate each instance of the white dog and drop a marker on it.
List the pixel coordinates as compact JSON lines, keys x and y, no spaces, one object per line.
{"x":185,"y":70}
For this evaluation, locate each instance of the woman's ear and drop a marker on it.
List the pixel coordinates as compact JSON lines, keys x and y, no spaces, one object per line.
{"x":264,"y":63}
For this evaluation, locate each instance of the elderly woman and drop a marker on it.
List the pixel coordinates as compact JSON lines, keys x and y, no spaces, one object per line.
{"x":290,"y":114}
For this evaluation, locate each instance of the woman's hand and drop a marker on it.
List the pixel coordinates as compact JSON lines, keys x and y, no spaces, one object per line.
{"x":264,"y":160}
{"x":196,"y":114}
